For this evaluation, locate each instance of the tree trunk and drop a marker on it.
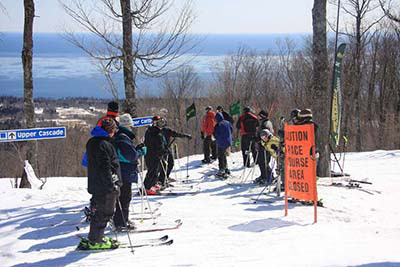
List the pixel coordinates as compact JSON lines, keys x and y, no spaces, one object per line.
{"x":320,"y":86}
{"x":29,"y":108}
{"x":130,"y":95}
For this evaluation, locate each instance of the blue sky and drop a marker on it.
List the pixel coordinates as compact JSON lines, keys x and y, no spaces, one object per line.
{"x":213,"y":16}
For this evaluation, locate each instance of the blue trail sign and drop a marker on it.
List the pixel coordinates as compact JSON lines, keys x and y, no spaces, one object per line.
{"x":144,"y":121}
{"x":32,"y":134}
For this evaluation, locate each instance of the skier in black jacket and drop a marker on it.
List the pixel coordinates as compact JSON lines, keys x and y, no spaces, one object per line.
{"x":157,"y":147}
{"x":104,"y":182}
{"x":247,"y":124}
{"x":168,"y":157}
{"x":264,"y":156}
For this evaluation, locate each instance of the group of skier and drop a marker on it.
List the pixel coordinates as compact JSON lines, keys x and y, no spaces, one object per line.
{"x":112,"y":157}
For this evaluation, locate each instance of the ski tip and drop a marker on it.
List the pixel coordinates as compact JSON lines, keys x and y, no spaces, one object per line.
{"x":164,"y":238}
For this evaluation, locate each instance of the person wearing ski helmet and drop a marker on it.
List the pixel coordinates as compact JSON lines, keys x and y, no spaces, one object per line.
{"x":264,"y":156}
{"x":274,"y":147}
{"x":156,"y":145}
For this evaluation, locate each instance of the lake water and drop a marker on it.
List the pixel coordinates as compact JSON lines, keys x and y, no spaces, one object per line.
{"x":62,"y":70}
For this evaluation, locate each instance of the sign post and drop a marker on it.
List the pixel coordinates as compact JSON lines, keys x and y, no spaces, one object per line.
{"x":32,"y":134}
{"x":300,"y":165}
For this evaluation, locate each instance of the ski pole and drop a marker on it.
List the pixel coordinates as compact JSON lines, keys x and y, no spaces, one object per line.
{"x":126,"y":221}
{"x":267,"y":184}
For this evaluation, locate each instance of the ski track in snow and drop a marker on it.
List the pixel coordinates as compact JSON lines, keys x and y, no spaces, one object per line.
{"x":221,"y":224}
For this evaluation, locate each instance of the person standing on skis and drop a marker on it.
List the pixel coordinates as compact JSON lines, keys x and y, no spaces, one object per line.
{"x":104,"y":182}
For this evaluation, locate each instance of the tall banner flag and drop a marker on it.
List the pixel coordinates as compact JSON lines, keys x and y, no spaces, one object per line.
{"x":336,"y":114}
{"x":300,"y":164}
{"x":234,"y":109}
{"x":190,"y":112}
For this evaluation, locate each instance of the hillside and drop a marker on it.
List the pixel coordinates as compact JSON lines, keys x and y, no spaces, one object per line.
{"x":221,"y":225}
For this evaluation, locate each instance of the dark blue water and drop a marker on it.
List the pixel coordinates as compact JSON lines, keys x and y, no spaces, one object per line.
{"x":63,"y":70}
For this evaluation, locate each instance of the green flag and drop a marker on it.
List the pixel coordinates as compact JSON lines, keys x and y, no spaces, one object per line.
{"x":234,"y":109}
{"x":337,"y":96}
{"x":190,"y":112}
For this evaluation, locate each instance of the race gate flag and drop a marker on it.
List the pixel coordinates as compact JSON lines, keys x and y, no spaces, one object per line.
{"x":300,"y":164}
{"x":32,"y":134}
{"x":143,"y":121}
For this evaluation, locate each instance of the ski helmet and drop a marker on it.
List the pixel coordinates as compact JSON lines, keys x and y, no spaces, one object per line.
{"x":265,"y":132}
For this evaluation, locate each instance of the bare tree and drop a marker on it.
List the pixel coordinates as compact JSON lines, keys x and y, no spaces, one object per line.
{"x":359,"y":38}
{"x":386,"y":6}
{"x":29,"y":109}
{"x":320,"y":85}
{"x":150,"y":45}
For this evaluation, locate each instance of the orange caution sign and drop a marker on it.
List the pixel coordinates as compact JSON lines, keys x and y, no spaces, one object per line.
{"x":300,"y":164}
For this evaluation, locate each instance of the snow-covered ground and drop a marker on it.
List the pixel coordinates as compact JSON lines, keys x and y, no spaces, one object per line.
{"x":221,"y":225}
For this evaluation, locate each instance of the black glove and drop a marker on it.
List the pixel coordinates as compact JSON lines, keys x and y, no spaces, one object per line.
{"x":274,"y":147}
{"x":140,"y":146}
{"x":188,"y":136}
{"x":202,"y":135}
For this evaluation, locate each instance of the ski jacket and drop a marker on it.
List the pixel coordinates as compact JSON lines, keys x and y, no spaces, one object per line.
{"x":223,"y":132}
{"x":127,"y":156}
{"x":168,"y":133}
{"x":208,"y":123}
{"x":104,"y":171}
{"x":272,"y":146}
{"x":247,"y":124}
{"x":155,"y":142}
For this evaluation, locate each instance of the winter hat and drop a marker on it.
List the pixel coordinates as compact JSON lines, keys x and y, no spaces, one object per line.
{"x":265,"y":132}
{"x":219,"y":108}
{"x":263,"y":114}
{"x":305,"y":115}
{"x":156,"y":118}
{"x":109,"y":125}
{"x":113,"y":106}
{"x":247,"y":109}
{"x":294,"y":113}
{"x":125,"y":120}
{"x":208,"y":108}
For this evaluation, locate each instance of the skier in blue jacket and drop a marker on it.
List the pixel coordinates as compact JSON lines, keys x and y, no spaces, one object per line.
{"x":223,"y":135}
{"x":128,"y":155}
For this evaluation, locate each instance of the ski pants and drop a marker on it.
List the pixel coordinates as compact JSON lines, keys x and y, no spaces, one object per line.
{"x":222,"y":161}
{"x":245,"y":144}
{"x":207,"y":144}
{"x":168,"y":166}
{"x":121,"y":217}
{"x":263,"y":162}
{"x":153,"y":171}
{"x":105,"y":207}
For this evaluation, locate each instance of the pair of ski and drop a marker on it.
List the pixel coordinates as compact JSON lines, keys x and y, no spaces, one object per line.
{"x":149,"y":242}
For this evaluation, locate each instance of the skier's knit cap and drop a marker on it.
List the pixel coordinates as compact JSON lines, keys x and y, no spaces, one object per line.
{"x":247,"y":109}
{"x":113,"y":106}
{"x":125,"y":120}
{"x":219,"y":108}
{"x":263,"y":114}
{"x":208,"y":108}
{"x":109,"y":125}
